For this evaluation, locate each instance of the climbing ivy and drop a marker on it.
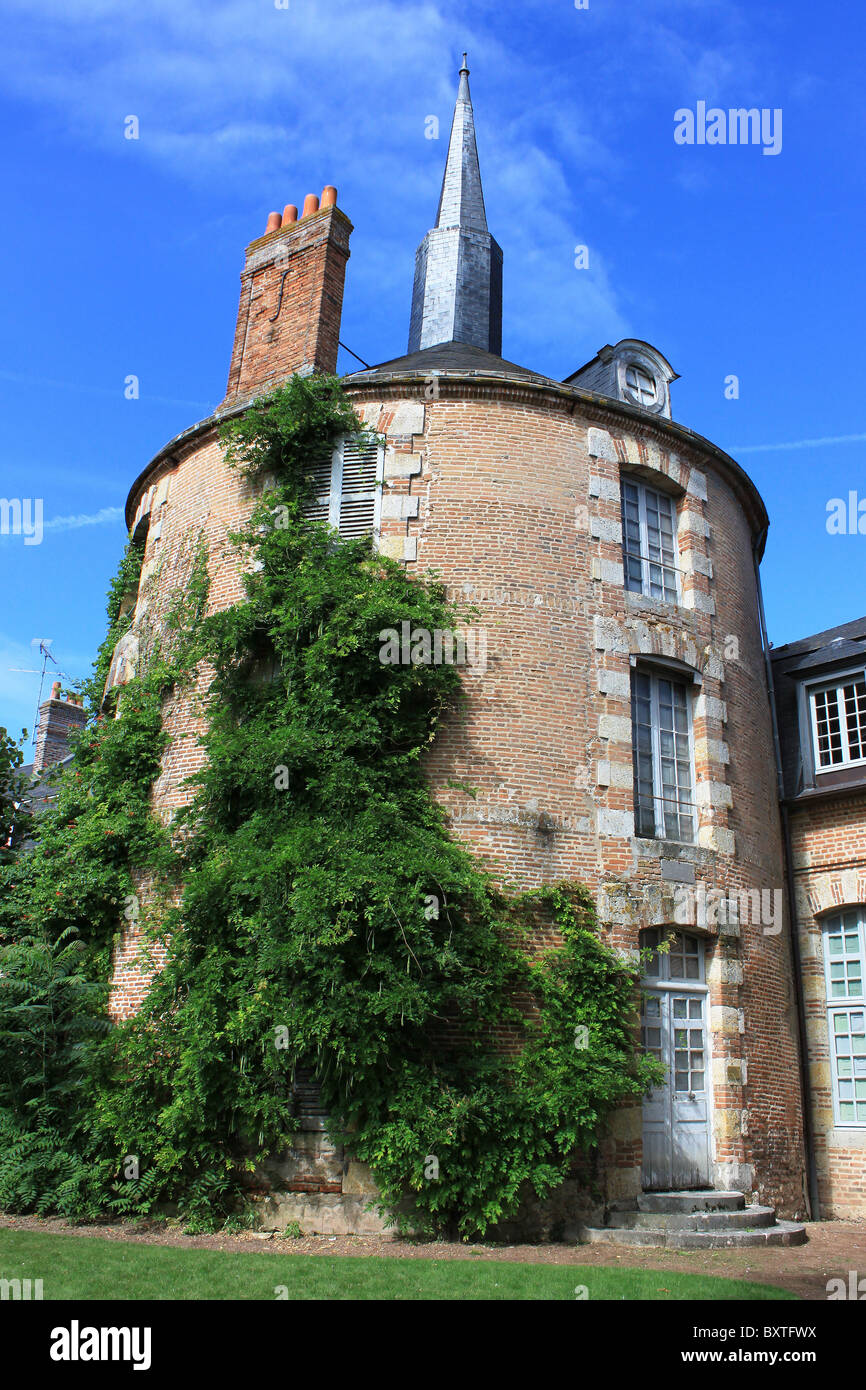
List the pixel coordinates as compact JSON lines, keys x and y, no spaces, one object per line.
{"x":324,"y":917}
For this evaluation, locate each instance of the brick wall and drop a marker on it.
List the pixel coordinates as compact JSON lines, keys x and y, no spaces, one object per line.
{"x":828,"y":841}
{"x":291,"y":302}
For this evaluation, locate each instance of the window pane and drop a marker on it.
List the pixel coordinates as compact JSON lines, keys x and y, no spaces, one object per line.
{"x":649,"y":541}
{"x":828,"y":728}
{"x":855,"y":718}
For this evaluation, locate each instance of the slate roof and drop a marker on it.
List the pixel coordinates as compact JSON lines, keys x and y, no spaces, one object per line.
{"x":453,"y":357}
{"x":42,"y":788}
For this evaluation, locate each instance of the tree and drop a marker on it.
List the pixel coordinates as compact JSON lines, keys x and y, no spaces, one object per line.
{"x":15,"y":820}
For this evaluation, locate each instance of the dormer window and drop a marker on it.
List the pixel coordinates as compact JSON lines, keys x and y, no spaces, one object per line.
{"x":838,"y":713}
{"x":640,"y":385}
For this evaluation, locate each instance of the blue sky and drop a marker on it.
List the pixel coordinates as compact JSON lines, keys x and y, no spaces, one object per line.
{"x":122,"y":256}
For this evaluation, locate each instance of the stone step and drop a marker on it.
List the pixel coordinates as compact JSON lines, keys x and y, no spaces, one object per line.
{"x":319,"y":1214}
{"x":728,"y":1220}
{"x":687,"y":1202}
{"x":781,"y":1233}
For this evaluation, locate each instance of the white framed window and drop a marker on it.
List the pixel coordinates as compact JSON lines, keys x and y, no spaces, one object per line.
{"x":346,"y":485}
{"x":640,"y":384}
{"x":844,"y":957}
{"x":838,"y":715}
{"x":649,"y":541}
{"x":661,"y":716}
{"x":682,"y":963}
{"x":673,"y":1008}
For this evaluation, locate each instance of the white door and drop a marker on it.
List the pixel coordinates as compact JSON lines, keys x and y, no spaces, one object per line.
{"x":676,"y":1115}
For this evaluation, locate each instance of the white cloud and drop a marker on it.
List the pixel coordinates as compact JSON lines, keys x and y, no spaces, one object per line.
{"x":73,"y":523}
{"x":800,"y":444}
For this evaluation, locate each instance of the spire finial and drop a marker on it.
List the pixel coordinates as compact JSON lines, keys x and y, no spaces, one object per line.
{"x":457,"y":296}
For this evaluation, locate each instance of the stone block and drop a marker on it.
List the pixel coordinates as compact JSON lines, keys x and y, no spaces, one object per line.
{"x":600,"y":445}
{"x":608,"y":572}
{"x":401,"y":465}
{"x":697,"y":485}
{"x":614,"y":727}
{"x":408,"y":419}
{"x":698,"y":602}
{"x":609,"y":636}
{"x":715,"y":794}
{"x":399,"y":506}
{"x":614,"y":683}
{"x":617,"y":824}
{"x":676,"y":871}
{"x":715,"y":838}
{"x":603,"y":528}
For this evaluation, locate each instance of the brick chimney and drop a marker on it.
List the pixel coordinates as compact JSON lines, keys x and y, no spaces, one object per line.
{"x":58,"y":716}
{"x":291,"y":297}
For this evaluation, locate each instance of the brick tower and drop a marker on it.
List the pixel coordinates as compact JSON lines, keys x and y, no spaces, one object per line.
{"x":621,"y":732}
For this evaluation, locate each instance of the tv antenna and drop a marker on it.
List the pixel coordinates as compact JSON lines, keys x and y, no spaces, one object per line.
{"x":44,"y":644}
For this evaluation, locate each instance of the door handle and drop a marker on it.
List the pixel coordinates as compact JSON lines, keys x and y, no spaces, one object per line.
{"x":691,"y":1095}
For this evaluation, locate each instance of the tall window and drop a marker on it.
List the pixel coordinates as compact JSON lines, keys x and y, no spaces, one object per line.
{"x":649,"y":547}
{"x":839,"y":721}
{"x":662,"y":757}
{"x":345,"y":486}
{"x":844,"y":955}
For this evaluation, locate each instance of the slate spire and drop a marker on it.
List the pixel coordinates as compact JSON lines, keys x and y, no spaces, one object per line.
{"x":457,"y":296}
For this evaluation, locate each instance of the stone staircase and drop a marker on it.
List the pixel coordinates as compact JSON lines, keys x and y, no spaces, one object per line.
{"x":693,"y":1221}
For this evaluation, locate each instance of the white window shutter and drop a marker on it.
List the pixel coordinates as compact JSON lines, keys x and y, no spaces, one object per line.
{"x":318,"y":473}
{"x":346,"y":485}
{"x":359,"y":485}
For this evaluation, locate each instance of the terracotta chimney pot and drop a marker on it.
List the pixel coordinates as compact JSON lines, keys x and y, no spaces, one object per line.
{"x":311,"y":205}
{"x":290,"y":214}
{"x":329,"y":196}
{"x":274,"y":222}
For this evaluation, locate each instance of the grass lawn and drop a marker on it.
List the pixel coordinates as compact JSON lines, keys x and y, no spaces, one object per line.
{"x":87,"y":1267}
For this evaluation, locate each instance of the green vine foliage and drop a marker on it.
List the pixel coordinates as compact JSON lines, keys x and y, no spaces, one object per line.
{"x":327,"y":920}
{"x":15,"y":821}
{"x":61,"y":903}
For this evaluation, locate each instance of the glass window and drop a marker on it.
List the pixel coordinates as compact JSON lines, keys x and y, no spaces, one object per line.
{"x":662,"y":758}
{"x":844,"y":954}
{"x":684,"y":960}
{"x":649,"y":546}
{"x":640,"y":384}
{"x":839,"y":722}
